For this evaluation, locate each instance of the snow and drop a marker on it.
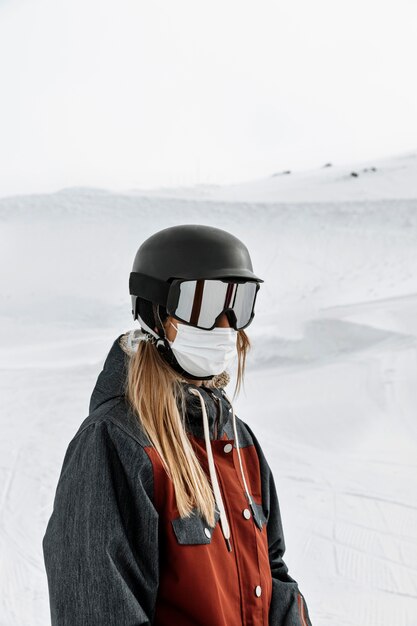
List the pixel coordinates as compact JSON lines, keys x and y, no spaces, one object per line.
{"x":330,"y":383}
{"x":391,"y":177}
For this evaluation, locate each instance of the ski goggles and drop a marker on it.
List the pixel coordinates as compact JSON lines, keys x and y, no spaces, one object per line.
{"x":200,"y":302}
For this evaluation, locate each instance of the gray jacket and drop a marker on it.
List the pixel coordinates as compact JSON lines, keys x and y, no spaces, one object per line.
{"x":116,"y":551}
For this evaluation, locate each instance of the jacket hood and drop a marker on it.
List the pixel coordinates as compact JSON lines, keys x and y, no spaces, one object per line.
{"x":112,"y":378}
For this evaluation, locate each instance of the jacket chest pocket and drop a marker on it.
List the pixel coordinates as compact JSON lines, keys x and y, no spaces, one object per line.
{"x":193,"y":530}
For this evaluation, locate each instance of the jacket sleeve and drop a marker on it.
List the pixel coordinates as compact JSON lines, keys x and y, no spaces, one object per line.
{"x":288,"y":606}
{"x":101,"y":543}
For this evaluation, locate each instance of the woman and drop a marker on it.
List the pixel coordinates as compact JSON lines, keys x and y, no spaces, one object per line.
{"x":166,"y":511}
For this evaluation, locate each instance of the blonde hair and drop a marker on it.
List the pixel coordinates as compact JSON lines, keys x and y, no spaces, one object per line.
{"x":154,"y":392}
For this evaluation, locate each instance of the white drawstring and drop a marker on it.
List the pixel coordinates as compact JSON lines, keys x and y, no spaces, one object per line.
{"x":212,"y":469}
{"x":213,"y":475}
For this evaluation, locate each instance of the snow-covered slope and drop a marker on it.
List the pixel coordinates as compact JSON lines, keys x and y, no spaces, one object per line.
{"x":393,"y":177}
{"x":330,"y":384}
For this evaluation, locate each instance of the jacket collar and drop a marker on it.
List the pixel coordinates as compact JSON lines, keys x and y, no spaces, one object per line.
{"x":217,"y":406}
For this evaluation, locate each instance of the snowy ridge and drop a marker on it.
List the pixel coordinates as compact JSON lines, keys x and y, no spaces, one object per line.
{"x":377,"y":179}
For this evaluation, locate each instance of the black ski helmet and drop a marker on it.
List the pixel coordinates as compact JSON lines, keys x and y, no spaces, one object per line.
{"x":189,"y":251}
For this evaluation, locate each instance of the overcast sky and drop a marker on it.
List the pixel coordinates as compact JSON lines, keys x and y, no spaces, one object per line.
{"x":133,"y":94}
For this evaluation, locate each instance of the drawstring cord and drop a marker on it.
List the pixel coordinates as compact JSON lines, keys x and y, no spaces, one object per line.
{"x":213,"y":475}
{"x":242,"y":473}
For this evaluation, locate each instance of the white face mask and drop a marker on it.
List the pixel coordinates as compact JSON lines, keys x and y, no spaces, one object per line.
{"x":204,"y":352}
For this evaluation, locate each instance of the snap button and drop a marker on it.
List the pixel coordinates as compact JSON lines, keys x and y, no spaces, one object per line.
{"x":246,"y":513}
{"x":208,"y":533}
{"x":258,"y":590}
{"x":228,"y":447}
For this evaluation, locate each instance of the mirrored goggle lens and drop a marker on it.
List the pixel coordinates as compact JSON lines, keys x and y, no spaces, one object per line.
{"x":201,"y":301}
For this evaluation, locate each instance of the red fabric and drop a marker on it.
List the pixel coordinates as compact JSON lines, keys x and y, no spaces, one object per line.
{"x":205,"y":583}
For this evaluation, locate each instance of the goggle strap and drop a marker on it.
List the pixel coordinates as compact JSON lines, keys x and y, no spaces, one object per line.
{"x":151,"y":289}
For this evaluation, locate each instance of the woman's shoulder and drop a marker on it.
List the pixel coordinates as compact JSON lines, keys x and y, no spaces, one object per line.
{"x":118,"y":420}
{"x":104,"y":452}
{"x":110,"y":438}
